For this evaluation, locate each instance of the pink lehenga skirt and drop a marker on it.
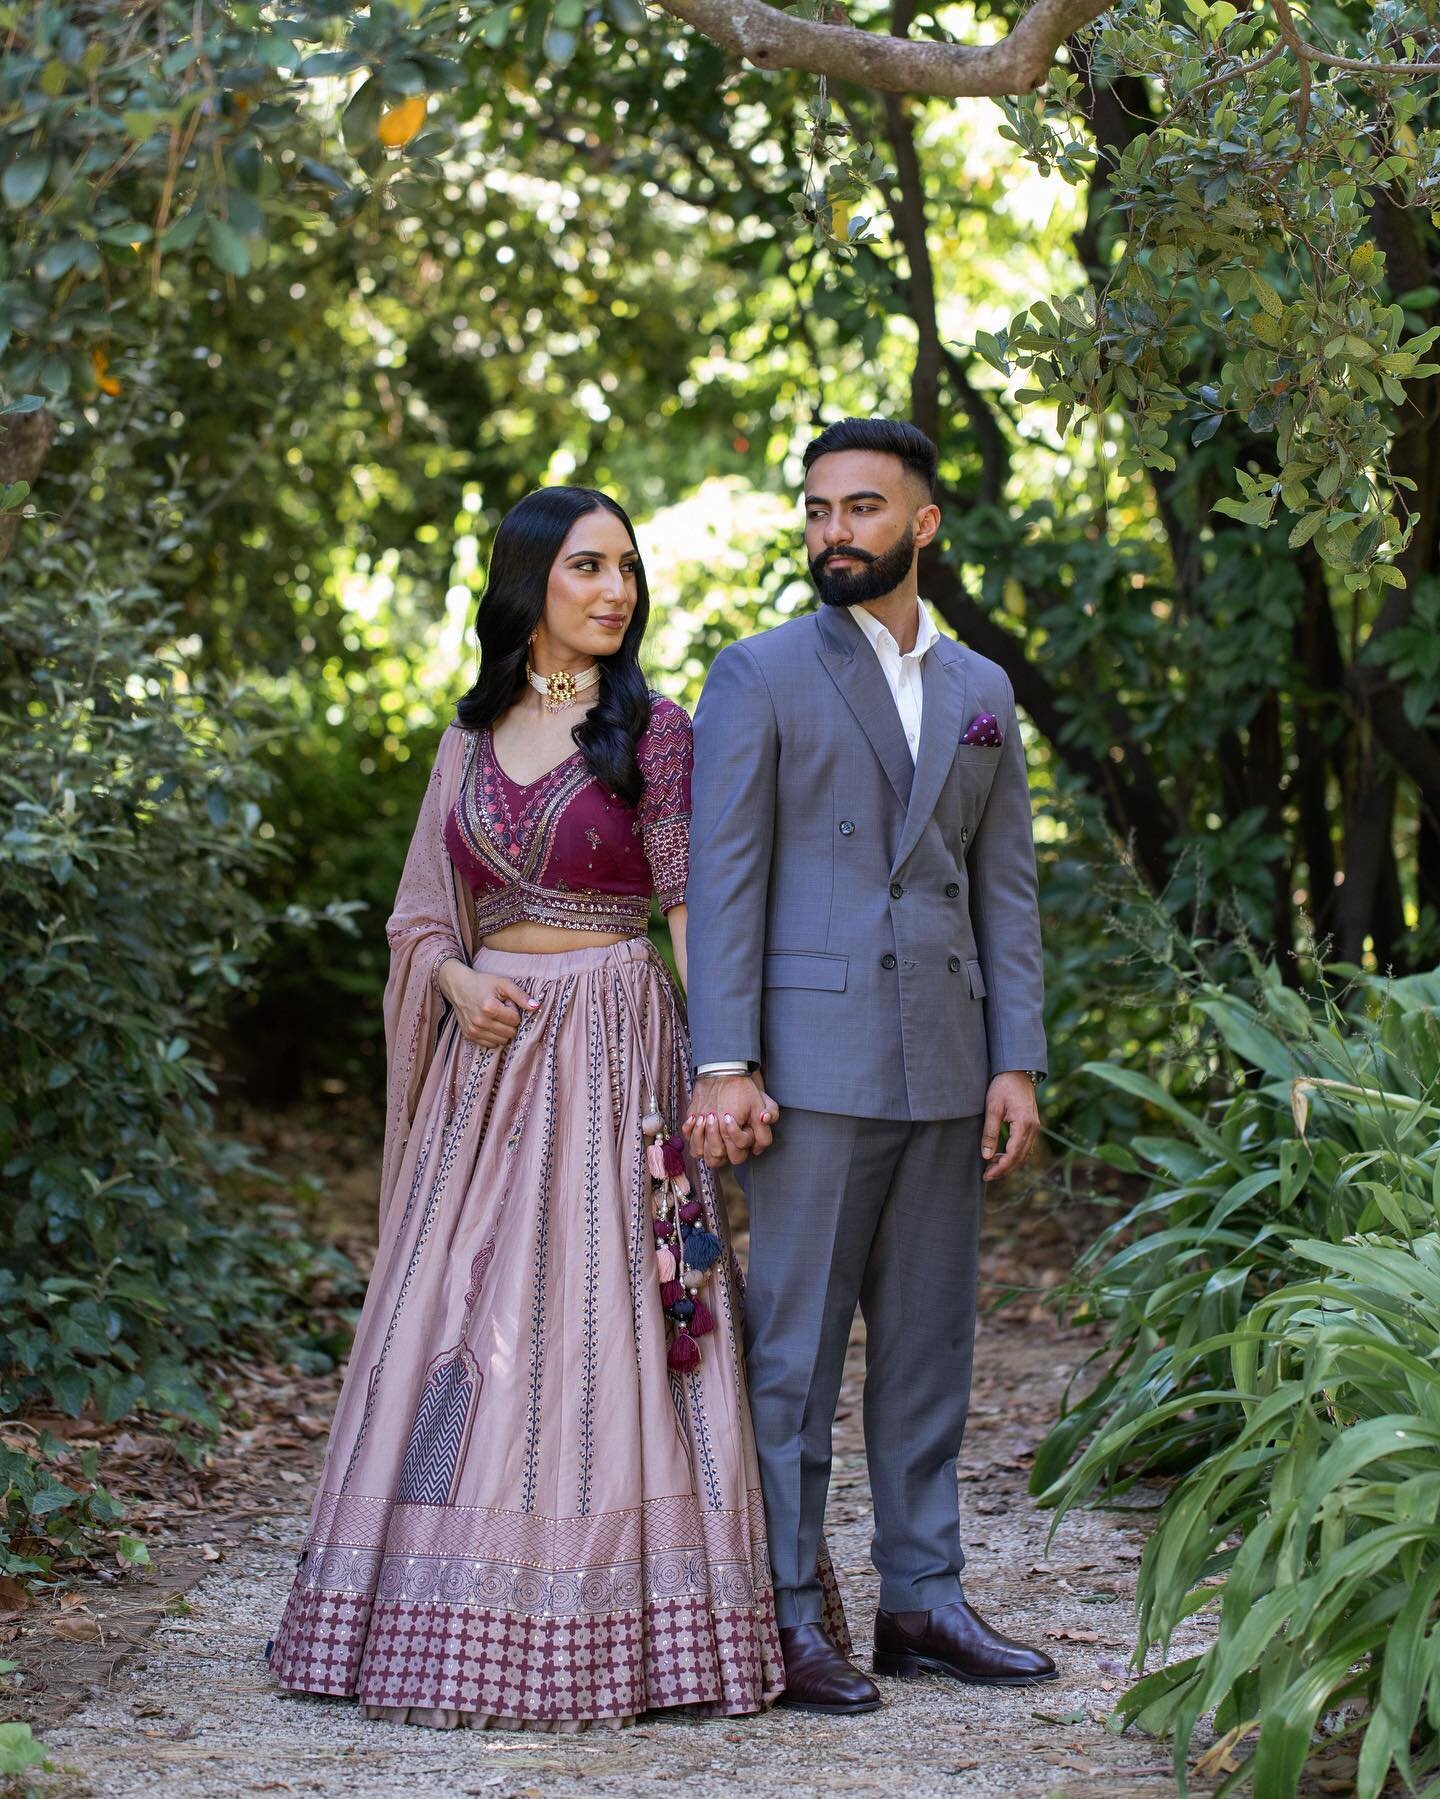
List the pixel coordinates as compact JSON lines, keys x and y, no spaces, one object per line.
{"x":525,"y":1517}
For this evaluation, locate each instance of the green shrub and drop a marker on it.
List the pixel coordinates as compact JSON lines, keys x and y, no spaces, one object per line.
{"x":1274,"y":1312}
{"x":132,"y":811}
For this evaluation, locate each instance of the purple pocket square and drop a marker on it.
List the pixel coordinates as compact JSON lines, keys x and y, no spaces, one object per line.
{"x":984,"y":729}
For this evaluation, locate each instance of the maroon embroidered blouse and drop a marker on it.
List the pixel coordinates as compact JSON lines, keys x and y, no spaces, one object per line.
{"x":564,"y":850}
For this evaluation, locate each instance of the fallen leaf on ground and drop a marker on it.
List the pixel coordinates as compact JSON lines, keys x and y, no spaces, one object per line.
{"x":1066,"y":1634}
{"x":77,"y":1627}
{"x":13,"y":1597}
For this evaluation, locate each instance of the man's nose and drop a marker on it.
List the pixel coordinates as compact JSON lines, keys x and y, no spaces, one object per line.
{"x":837,"y":531}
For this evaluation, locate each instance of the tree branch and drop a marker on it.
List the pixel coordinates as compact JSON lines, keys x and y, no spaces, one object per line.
{"x":1018,"y":64}
{"x":771,"y":39}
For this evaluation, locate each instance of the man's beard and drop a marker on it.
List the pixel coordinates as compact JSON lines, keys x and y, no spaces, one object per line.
{"x":876,"y":576}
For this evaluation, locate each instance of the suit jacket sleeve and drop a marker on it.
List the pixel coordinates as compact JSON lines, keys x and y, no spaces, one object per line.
{"x":1005,"y":912}
{"x":732,"y":828}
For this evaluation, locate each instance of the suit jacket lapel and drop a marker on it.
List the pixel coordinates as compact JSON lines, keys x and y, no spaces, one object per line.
{"x":856,"y":671}
{"x":943,"y":682}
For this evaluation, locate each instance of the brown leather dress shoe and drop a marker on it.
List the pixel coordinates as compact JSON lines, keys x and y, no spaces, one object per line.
{"x":818,"y":1678}
{"x":957,"y":1641}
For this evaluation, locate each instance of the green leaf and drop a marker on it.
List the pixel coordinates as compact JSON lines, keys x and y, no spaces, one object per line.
{"x":24,"y":178}
{"x":228,"y":250}
{"x":361,"y":116}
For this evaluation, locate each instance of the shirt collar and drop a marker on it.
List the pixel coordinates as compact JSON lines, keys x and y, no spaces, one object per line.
{"x":925,"y":636}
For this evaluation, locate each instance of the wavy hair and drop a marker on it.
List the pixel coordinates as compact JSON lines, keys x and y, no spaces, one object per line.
{"x":529,"y":539}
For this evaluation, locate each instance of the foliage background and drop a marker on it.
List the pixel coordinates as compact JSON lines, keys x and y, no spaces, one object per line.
{"x":270,"y":381}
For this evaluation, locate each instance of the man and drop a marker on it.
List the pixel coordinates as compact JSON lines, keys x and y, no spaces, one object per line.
{"x":865,"y":954}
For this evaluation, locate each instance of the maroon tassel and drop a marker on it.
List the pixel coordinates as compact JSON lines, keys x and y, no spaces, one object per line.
{"x":684,"y":1353}
{"x":691,"y":1210}
{"x":702,"y":1319}
{"x":670,"y":1291}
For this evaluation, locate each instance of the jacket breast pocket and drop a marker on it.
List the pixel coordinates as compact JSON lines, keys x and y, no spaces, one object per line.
{"x":806,"y":968}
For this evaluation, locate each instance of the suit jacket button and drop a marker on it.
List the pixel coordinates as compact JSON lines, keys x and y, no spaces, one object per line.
{"x":887,"y":960}
{"x":896,"y":890}
{"x":847,"y":827}
{"x":954,"y":964}
{"x":952,"y":890}
{"x":964,"y":833}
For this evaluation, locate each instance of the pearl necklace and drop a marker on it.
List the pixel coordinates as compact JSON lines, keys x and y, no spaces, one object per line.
{"x":562,"y":690}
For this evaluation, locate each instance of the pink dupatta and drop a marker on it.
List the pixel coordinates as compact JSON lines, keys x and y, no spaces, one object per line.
{"x":434,"y":917}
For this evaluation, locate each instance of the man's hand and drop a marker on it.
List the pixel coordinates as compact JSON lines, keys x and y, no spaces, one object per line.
{"x":729,"y":1118}
{"x":1009,"y":1101}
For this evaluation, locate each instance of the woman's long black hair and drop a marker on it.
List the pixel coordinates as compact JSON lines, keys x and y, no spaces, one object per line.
{"x":530,"y":537}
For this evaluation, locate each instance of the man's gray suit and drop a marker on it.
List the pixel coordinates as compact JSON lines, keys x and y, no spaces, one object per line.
{"x":865,"y":929}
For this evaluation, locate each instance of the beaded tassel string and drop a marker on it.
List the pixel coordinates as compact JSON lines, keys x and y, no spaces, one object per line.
{"x":685,"y":1251}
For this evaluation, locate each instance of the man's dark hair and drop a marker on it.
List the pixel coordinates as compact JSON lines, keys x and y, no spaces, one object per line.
{"x":889,"y":437}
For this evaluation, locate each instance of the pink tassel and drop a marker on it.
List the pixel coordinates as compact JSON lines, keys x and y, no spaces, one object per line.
{"x":702,"y":1320}
{"x":670,"y":1291}
{"x":665,"y":1262}
{"x":655,"y":1161}
{"x":684,"y":1353}
{"x":681,"y":1184}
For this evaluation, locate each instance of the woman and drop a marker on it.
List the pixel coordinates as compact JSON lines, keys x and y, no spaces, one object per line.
{"x":540,"y":1502}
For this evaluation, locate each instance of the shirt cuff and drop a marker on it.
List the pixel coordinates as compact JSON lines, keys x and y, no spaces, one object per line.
{"x":723,"y":1068}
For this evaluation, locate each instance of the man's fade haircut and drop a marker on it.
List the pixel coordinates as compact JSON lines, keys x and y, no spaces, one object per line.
{"x":888,"y":437}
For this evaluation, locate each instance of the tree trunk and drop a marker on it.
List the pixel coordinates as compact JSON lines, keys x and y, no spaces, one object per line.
{"x":25,"y":440}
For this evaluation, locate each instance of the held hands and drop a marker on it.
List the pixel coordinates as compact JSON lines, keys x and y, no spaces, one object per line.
{"x":1009,"y":1101}
{"x":487,"y":1006}
{"x":729,"y":1119}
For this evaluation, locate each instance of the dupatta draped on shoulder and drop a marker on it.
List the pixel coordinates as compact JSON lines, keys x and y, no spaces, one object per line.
{"x":433,"y":918}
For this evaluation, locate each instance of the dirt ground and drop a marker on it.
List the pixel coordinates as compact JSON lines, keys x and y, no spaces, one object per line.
{"x":160,"y":1685}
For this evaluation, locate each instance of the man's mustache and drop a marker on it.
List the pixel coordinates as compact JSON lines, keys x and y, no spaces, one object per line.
{"x":826,"y":557}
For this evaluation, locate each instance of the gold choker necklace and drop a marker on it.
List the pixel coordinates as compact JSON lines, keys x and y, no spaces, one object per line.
{"x":562,"y":690}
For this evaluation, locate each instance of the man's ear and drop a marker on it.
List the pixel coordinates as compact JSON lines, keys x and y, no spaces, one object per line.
{"x":927,"y":523}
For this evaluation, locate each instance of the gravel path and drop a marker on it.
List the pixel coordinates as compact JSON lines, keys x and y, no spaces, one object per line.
{"x":193,"y":1712}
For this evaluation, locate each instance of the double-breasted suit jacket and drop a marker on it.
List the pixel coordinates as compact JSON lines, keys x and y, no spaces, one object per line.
{"x":878,"y":915}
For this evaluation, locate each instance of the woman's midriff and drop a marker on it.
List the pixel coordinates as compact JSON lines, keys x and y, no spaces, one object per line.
{"x":528,"y":939}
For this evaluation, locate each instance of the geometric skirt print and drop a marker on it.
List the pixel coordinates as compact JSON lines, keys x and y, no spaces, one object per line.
{"x":525,"y":1516}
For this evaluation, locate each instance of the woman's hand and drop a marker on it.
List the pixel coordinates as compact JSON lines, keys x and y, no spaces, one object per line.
{"x":487,"y":1006}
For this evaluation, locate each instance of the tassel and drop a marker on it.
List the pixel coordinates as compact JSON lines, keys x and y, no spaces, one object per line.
{"x":695,"y":1277}
{"x":683,"y":1311}
{"x":664,"y":1230}
{"x":690,"y":1211}
{"x":672,"y":1150}
{"x":702,"y":1320}
{"x":702,"y":1249}
{"x":670,"y":1291}
{"x":665,"y":1262}
{"x":655,"y":1161}
{"x":681,"y":1184}
{"x":684,"y":1353}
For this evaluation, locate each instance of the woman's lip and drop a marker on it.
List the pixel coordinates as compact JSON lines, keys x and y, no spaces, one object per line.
{"x":611,"y":620}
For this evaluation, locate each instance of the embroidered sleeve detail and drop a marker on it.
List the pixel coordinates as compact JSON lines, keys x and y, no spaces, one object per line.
{"x":667,"y":850}
{"x":667,"y":757}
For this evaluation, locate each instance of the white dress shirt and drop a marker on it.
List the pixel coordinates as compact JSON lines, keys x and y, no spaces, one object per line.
{"x":902,"y":671}
{"x":903,"y":676}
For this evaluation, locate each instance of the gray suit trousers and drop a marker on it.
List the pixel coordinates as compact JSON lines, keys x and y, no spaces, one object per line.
{"x":885,"y":1214}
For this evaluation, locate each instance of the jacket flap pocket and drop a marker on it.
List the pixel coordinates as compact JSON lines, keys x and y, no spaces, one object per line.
{"x":806,"y":968}
{"x":977,"y":980}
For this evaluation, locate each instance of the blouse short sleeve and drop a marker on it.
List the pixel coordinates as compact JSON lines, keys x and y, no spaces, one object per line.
{"x":666,"y":756}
